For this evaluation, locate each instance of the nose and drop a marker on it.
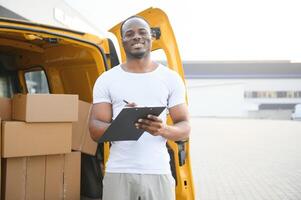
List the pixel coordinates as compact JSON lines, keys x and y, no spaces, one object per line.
{"x":137,"y":36}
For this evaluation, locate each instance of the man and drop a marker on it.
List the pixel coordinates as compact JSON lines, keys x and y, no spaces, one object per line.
{"x":139,"y":169}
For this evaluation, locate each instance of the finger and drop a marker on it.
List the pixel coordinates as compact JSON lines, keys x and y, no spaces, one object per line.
{"x":150,"y":123}
{"x":150,"y":129}
{"x":132,"y":104}
{"x":150,"y":120}
{"x":154,"y":118}
{"x":137,"y":126}
{"x":145,"y":121}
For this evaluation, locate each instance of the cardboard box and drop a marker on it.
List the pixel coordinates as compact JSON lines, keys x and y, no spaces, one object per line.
{"x":35,"y":177}
{"x":63,"y":176}
{"x":42,"y":177}
{"x":81,"y":139}
{"x":28,"y":139}
{"x":13,"y":178}
{"x":54,"y":184}
{"x":45,"y":107}
{"x":72,"y":176}
{"x":24,"y":178}
{"x":5,"y":108}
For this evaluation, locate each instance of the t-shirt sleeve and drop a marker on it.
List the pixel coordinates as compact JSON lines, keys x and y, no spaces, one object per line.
{"x":101,"y":91}
{"x":177,"y":91}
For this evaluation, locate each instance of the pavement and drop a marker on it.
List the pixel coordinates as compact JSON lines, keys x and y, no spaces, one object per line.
{"x":239,"y":159}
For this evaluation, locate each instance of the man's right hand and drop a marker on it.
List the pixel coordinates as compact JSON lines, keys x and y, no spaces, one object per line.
{"x":131,"y":104}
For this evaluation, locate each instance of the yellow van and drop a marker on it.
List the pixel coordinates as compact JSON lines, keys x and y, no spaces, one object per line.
{"x":37,"y":58}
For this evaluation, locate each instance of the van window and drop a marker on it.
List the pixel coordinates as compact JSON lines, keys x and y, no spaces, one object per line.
{"x":8,"y":81}
{"x":6,"y":89}
{"x":36,"y":82}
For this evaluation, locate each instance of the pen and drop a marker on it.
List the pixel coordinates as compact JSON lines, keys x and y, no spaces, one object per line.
{"x":125,"y":101}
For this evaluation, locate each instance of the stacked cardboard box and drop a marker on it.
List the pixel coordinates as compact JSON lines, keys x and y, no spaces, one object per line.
{"x":37,"y":159}
{"x":81,"y":139}
{"x":5,"y":108}
{"x":5,"y":114}
{"x":42,"y":177}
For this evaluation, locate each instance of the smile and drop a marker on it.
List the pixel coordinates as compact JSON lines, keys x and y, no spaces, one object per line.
{"x":138,"y":45}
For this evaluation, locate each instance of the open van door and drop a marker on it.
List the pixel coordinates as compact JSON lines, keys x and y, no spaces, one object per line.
{"x":37,"y":58}
{"x":165,"y":40}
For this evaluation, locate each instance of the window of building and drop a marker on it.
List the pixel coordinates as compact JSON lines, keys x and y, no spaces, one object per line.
{"x":272,"y":94}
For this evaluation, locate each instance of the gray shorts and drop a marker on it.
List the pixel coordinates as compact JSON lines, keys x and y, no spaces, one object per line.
{"x":121,"y":186}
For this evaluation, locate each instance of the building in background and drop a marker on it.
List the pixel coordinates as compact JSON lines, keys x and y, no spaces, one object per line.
{"x":256,"y":89}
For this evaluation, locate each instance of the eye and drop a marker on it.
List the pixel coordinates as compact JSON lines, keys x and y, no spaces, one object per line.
{"x":143,"y":32}
{"x":129,"y":34}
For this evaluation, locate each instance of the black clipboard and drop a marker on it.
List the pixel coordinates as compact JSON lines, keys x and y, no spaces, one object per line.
{"x":123,"y":127}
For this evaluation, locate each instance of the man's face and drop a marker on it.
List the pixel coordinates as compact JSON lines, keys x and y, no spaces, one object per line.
{"x":136,"y":38}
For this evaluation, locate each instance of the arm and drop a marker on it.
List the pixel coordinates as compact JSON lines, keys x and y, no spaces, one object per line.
{"x":100,"y":119}
{"x":178,"y":131}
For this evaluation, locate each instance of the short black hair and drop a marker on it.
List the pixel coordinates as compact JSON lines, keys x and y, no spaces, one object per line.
{"x":134,"y":16}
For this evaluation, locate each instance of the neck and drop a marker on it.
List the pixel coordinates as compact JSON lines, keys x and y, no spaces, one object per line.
{"x":142,"y":65}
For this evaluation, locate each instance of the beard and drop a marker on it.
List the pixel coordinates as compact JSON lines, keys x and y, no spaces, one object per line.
{"x":137,"y":55}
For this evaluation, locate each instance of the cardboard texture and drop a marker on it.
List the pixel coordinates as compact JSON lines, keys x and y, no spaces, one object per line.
{"x":54,"y":177}
{"x":72,"y":176}
{"x":81,"y":139}
{"x":45,"y":107}
{"x":24,"y":178}
{"x":5,"y":108}
{"x":35,"y":177}
{"x":42,"y":177}
{"x":13,"y":180}
{"x":29,"y":139}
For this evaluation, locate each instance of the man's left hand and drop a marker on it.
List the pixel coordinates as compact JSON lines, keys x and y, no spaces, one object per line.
{"x":153,"y":124}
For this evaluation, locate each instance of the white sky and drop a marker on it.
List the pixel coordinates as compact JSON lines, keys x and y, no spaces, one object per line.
{"x":215,"y":29}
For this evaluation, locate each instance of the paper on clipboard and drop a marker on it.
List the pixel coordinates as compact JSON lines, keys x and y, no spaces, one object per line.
{"x":123,"y":127}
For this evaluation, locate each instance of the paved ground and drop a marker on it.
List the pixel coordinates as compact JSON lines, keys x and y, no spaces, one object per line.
{"x":246,"y":160}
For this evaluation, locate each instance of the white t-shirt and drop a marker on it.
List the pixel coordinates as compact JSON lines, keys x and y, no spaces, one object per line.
{"x":161,"y":87}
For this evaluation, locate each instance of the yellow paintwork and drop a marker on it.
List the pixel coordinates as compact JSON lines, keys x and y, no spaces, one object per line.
{"x":72,"y":66}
